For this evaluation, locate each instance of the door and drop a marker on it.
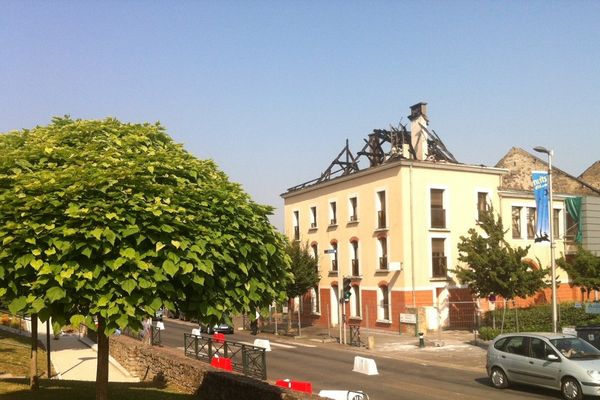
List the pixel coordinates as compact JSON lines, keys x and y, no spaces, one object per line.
{"x":517,"y":359}
{"x":542,"y":371}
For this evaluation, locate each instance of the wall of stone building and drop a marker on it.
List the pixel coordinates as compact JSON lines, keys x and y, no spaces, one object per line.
{"x":520,"y":164}
{"x":151,"y":363}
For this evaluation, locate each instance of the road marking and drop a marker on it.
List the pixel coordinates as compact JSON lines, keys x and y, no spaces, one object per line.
{"x":305,"y":345}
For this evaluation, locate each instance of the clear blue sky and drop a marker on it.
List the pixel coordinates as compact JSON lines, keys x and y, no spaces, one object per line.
{"x":271,"y":90}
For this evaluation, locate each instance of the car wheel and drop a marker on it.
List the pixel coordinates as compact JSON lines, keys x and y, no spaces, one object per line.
{"x":570,"y":389}
{"x":499,"y":379}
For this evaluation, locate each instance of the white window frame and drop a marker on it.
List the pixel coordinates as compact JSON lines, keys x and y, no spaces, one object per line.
{"x":488,"y":199}
{"x":333,"y":215}
{"x":380,"y":309}
{"x":447,"y":253}
{"x":356,"y":292}
{"x":313,"y":217}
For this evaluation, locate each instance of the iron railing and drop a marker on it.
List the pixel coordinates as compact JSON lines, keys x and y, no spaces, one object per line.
{"x":247,"y":359}
{"x":355,"y":268}
{"x":355,"y":335}
{"x":381,"y":220}
{"x":296,"y":233}
{"x":438,"y":218}
{"x":439,"y":264}
{"x":383,"y":264}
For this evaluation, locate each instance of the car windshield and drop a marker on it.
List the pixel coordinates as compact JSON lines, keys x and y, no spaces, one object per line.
{"x":575,"y":348}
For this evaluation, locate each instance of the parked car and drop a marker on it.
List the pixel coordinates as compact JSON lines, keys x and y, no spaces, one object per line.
{"x":221,"y":327}
{"x":551,"y":360}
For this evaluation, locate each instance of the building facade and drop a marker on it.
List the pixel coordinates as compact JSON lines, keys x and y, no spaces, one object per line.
{"x":392,"y":229}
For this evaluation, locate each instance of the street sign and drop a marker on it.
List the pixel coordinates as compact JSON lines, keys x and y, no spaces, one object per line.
{"x":330,"y":251}
{"x":408,"y":318}
{"x":592,"y":308}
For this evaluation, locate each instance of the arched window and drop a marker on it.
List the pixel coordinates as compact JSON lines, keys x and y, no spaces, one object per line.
{"x":354,"y":257}
{"x":383,"y":303}
{"x":355,"y":307}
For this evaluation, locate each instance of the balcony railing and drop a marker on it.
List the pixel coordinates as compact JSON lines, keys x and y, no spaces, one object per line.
{"x":383,"y":264}
{"x":438,"y":218}
{"x":296,"y":233}
{"x":355,"y":268}
{"x":439,"y":266}
{"x":334,"y":266}
{"x":381,"y":221}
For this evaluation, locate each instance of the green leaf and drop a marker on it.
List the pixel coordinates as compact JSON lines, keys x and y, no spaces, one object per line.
{"x":175,"y":243}
{"x":30,"y":240}
{"x":7,"y":240}
{"x":128,"y":253}
{"x":77,"y":320}
{"x":38,"y":304}
{"x":97,"y":233}
{"x":17,"y":305}
{"x":169,"y":267}
{"x":159,"y":246}
{"x":87,"y":252}
{"x":130,"y":230}
{"x":111,"y":215}
{"x":270,"y":249}
{"x":110,"y":236}
{"x":129,"y":285}
{"x":36,"y":264}
{"x":55,"y":293}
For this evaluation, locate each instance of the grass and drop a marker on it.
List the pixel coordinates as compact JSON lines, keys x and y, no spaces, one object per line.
{"x":15,"y":354}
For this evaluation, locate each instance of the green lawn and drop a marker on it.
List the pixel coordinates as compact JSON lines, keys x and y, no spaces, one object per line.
{"x":14,"y":359}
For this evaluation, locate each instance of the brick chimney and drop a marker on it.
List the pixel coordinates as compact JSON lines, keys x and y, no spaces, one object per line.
{"x":418,"y":117}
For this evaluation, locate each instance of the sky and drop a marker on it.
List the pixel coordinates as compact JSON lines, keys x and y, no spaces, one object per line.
{"x":271,"y":90}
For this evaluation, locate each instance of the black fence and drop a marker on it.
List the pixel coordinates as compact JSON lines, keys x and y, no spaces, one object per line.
{"x":247,"y":359}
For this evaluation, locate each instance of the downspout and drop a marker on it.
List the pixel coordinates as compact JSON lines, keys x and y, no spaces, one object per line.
{"x":412,"y":234}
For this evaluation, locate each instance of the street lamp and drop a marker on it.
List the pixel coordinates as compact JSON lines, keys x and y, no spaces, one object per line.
{"x":550,"y":153}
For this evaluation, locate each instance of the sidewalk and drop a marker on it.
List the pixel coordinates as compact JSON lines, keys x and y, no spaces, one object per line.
{"x":75,"y":358}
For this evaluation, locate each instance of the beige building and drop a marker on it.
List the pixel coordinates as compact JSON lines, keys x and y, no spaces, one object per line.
{"x":392,"y":228}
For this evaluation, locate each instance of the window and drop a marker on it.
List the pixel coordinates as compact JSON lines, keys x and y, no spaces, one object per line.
{"x":355,"y":264}
{"x":438,"y":259}
{"x":315,"y":304}
{"x":355,"y":302}
{"x":383,"y":309}
{"x":530,"y":222}
{"x":334,"y":262}
{"x":555,"y":222}
{"x":332,"y":213}
{"x":381,"y":218}
{"x":382,"y":251}
{"x":517,"y":345}
{"x":482,"y":205}
{"x":353,"y":209}
{"x":438,"y":214}
{"x":540,"y":349}
{"x":296,"y":225}
{"x":315,"y":253}
{"x":571,"y":229}
{"x":313,"y":217}
{"x":516,"y":222}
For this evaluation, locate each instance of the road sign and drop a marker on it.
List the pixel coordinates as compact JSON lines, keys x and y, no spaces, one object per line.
{"x":330,"y":251}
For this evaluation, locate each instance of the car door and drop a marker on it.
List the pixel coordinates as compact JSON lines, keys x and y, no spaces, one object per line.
{"x":517,"y":359}
{"x":543,"y":372}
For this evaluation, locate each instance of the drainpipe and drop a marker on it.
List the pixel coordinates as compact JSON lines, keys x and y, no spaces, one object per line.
{"x":412,"y":234}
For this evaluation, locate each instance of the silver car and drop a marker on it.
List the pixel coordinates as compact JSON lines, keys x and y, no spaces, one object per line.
{"x":550,"y":360}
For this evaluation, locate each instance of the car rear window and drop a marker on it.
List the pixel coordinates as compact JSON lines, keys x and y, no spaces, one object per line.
{"x":499,"y":345}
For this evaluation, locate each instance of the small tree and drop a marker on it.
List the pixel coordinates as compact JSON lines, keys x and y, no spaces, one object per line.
{"x":493,"y":266}
{"x":104,"y":222}
{"x":304,"y":269}
{"x":584,"y":270}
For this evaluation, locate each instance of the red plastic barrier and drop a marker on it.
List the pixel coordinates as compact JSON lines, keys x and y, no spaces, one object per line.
{"x":300,"y":386}
{"x":219,"y":338}
{"x":222,"y":363}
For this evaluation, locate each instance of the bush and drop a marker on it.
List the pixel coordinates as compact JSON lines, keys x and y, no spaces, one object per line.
{"x":487,"y":333}
{"x":538,"y":318}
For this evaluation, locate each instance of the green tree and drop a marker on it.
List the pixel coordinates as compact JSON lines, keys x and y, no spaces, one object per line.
{"x":304,"y":267}
{"x":493,"y":266}
{"x":105,"y":221}
{"x":584,"y":270}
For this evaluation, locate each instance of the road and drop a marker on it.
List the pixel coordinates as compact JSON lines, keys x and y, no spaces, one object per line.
{"x":328,"y":366}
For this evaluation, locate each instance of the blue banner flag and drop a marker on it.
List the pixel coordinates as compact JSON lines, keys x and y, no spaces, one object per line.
{"x":542,"y":200}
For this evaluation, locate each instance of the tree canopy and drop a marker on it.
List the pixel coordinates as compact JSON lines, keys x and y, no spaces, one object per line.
{"x":304,"y":268}
{"x":493,"y":266}
{"x":112,"y":220}
{"x":583,"y":270}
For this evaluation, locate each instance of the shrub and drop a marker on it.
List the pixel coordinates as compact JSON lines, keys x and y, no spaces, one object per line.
{"x":487,"y":333}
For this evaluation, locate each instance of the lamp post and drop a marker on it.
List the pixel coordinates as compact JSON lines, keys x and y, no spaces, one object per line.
{"x":550,"y":153}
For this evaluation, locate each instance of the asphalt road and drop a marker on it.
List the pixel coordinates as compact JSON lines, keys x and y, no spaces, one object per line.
{"x":328,"y":366}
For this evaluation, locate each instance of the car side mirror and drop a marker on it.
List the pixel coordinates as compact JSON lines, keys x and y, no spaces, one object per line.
{"x":552,"y":357}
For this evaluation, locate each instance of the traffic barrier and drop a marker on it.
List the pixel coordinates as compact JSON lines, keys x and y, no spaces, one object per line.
{"x":343,"y":395}
{"x":219,"y":338}
{"x":365,"y":366}
{"x":222,"y":363}
{"x":196,"y":332}
{"x":264,"y":343}
{"x":299,"y":386}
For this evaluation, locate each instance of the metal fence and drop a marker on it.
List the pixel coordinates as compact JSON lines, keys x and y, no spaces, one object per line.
{"x":138,"y":334}
{"x":19,"y":322}
{"x":247,"y":359}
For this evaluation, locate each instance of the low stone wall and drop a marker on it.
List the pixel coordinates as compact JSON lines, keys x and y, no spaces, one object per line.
{"x":151,"y":363}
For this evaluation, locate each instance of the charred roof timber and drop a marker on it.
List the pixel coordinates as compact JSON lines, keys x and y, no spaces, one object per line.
{"x":386,"y":146}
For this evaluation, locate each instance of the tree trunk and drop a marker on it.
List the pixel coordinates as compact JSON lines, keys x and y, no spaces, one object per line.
{"x":102,"y":365}
{"x":34,"y":383}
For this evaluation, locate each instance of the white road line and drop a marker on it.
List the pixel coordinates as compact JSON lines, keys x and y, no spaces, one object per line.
{"x":285,"y":346}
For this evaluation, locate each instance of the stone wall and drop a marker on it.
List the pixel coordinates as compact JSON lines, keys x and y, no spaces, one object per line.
{"x":152,"y":363}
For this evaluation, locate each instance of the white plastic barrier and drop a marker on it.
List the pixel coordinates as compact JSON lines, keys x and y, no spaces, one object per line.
{"x":196,"y":332}
{"x":265,"y":344}
{"x":365,"y":366}
{"x":343,"y":395}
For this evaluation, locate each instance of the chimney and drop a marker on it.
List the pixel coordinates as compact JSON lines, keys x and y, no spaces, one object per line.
{"x":418,"y":136}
